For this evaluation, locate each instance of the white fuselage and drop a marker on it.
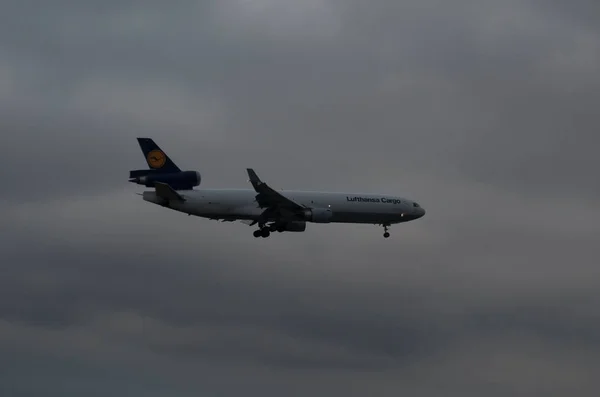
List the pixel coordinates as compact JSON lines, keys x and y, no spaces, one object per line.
{"x":240,"y":204}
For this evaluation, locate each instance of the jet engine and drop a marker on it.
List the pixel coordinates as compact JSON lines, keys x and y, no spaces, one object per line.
{"x":318,"y":215}
{"x":184,"y":180}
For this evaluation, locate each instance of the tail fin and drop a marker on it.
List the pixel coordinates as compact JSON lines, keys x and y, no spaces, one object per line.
{"x":156,"y":158}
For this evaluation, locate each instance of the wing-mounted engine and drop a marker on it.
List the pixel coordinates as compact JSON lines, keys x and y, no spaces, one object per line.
{"x":182,"y":180}
{"x":318,"y":215}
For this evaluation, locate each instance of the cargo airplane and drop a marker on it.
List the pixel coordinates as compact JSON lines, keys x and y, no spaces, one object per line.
{"x":271,"y":210}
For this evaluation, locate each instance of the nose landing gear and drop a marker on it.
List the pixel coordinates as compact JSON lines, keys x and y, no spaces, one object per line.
{"x":386,"y":234}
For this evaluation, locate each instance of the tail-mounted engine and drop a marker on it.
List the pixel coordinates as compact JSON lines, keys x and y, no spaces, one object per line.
{"x":318,"y":215}
{"x":183,"y":180}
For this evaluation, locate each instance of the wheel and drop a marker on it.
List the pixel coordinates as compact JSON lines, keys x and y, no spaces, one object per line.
{"x":265,"y":233}
{"x":386,"y":235}
{"x":257,"y":233}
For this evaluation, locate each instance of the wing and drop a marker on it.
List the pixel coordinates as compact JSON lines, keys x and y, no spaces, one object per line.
{"x":268,"y":198}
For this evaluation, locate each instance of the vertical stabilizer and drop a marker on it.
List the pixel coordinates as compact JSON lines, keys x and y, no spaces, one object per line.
{"x":155,"y":157}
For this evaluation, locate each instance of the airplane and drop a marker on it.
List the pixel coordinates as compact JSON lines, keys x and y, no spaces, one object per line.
{"x":271,"y":210}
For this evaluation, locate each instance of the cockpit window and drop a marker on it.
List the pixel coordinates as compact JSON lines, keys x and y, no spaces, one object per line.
{"x":416,"y":205}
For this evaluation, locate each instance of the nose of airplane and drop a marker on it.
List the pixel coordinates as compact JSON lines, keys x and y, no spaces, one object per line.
{"x":420,"y":212}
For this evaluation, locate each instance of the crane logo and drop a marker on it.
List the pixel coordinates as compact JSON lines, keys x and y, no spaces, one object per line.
{"x":156,"y":159}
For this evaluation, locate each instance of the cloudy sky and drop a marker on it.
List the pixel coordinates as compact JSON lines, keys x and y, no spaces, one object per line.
{"x":485,"y":112}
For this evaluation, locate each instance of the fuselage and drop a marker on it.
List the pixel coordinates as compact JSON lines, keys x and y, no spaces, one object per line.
{"x":240,"y":204}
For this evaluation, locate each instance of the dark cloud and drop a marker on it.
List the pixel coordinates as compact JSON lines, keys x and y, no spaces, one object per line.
{"x":482,"y":111}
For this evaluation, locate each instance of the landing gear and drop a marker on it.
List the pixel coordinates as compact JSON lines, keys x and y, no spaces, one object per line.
{"x":263,"y":231}
{"x":386,"y":234}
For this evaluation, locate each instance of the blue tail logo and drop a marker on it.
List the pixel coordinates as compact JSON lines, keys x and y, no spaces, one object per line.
{"x":162,"y":170}
{"x":156,"y":159}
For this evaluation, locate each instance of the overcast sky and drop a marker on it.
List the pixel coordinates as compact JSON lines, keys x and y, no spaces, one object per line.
{"x":485,"y":112}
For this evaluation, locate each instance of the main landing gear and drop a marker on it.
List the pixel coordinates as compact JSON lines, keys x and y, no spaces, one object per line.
{"x":386,"y":234}
{"x":264,"y":231}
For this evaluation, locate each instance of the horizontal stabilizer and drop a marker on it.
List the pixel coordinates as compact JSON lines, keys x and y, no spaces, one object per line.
{"x":165,"y":191}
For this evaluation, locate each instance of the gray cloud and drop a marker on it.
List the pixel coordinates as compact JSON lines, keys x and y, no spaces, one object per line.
{"x":482,"y":111}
